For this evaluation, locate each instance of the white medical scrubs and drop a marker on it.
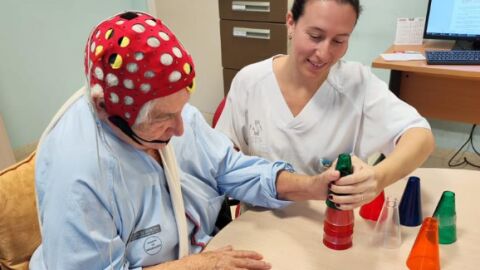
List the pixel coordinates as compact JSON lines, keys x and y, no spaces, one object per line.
{"x":353,"y":111}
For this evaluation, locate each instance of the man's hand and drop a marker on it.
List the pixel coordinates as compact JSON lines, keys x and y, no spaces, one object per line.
{"x":296,"y":187}
{"x":225,"y":258}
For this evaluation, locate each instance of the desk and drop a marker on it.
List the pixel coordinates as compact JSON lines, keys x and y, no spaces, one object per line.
{"x":291,"y":238}
{"x":437,"y":91}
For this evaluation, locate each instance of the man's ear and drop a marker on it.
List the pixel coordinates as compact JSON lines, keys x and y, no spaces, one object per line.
{"x":99,"y":104}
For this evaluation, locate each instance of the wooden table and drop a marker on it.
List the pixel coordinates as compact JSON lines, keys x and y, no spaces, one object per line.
{"x":445,"y":92}
{"x":291,"y":238}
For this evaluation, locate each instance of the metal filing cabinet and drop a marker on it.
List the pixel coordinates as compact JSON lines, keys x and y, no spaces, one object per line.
{"x":251,"y":31}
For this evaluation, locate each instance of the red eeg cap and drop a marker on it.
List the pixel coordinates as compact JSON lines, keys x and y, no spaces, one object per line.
{"x":135,"y":58}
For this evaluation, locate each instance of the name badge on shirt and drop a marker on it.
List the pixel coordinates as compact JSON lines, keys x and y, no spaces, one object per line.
{"x":145,"y":232}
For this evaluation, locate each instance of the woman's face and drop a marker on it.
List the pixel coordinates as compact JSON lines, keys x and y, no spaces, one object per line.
{"x":320,"y":36}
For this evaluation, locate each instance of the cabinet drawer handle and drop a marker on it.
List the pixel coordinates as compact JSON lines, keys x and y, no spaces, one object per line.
{"x":251,"y":6}
{"x":251,"y":33}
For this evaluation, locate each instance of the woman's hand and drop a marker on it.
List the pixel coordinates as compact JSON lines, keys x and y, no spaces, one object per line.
{"x":225,"y":258}
{"x":359,"y":188}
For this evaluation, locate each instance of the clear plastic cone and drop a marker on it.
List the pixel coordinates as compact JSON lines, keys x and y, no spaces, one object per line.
{"x":387,"y":231}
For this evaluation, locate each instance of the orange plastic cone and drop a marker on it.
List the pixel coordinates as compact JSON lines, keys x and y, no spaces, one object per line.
{"x":425,"y":252}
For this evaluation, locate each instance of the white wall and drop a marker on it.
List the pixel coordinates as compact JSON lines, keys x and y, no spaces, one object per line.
{"x":42,"y":44}
{"x":375,"y":30}
{"x":196,"y":24}
{"x":41,"y":52}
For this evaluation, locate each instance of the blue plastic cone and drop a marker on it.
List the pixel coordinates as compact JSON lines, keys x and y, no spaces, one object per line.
{"x":410,"y":209}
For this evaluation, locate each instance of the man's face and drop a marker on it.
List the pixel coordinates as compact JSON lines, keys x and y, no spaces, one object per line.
{"x":320,"y":36}
{"x":165,"y":119}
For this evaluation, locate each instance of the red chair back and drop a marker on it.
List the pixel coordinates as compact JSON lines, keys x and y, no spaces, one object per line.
{"x":218,"y":112}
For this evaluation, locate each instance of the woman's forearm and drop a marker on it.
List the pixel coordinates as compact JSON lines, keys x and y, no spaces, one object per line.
{"x":412,"y":149}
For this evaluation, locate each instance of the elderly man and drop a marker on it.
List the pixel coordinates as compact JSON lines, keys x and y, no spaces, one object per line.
{"x":130,"y":176}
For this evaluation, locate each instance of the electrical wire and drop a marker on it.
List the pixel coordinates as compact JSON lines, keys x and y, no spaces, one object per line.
{"x":465,"y":161}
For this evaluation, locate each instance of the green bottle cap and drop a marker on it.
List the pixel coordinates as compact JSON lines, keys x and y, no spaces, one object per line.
{"x":344,"y":166}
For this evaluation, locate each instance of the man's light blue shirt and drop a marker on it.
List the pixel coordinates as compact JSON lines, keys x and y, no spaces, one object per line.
{"x":105,"y":205}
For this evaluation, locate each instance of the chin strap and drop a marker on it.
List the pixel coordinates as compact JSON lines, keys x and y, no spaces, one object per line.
{"x":122,"y":124}
{"x":171,"y":169}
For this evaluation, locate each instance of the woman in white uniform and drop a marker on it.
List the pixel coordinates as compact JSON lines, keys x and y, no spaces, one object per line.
{"x":309,"y":106}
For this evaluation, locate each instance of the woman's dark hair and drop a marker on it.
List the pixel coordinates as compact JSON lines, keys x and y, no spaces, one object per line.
{"x":299,"y":5}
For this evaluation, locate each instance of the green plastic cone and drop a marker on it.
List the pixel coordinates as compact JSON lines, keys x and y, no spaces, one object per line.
{"x":447,"y":218}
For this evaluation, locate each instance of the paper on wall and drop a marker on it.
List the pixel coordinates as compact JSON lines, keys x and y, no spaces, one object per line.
{"x":409,"y":31}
